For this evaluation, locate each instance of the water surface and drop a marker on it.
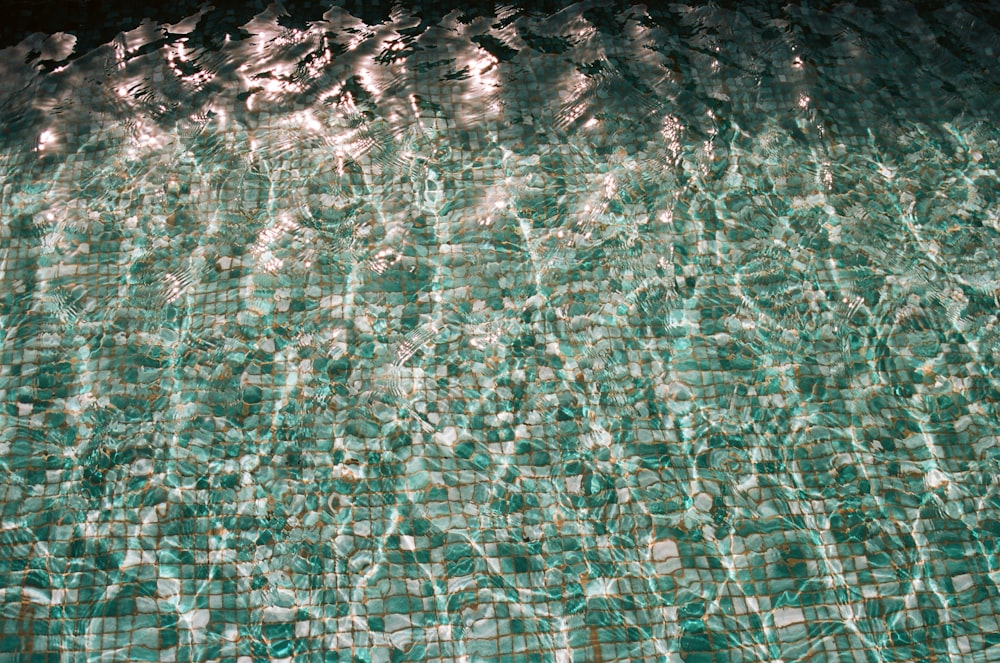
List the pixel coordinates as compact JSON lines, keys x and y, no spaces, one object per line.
{"x":611,"y":333}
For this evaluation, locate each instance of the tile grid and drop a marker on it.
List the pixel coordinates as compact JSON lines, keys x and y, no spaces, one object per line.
{"x":256,"y":431}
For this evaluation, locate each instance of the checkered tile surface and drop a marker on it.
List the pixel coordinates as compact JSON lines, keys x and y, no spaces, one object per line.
{"x":607,"y":334}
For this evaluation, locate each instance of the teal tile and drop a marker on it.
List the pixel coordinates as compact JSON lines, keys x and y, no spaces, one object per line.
{"x":501,"y":334}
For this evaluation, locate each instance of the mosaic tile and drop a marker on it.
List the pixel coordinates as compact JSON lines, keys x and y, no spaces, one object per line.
{"x":574,"y":332}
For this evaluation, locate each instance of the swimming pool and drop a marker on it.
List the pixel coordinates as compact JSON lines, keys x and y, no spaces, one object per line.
{"x":599,"y":333}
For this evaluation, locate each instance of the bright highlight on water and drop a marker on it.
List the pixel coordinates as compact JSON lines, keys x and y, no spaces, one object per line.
{"x":614,"y":333}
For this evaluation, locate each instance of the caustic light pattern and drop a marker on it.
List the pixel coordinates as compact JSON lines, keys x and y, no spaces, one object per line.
{"x":610,"y":334}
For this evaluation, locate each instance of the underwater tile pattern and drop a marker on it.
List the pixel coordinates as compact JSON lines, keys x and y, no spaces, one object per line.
{"x":608,"y":334}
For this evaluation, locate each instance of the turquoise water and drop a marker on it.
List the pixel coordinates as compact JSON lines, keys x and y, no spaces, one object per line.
{"x":612,"y":334}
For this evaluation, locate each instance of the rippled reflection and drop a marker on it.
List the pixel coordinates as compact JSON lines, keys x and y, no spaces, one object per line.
{"x":616,"y":333}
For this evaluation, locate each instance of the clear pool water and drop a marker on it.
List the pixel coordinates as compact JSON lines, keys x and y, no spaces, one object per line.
{"x":603,"y":334}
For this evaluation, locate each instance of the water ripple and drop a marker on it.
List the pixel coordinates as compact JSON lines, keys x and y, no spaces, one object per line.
{"x":611,"y":333}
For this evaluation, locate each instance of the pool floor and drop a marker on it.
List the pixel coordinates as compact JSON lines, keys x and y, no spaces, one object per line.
{"x":612,"y":333}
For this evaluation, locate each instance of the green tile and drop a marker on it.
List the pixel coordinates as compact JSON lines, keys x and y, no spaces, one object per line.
{"x":378,"y":336}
